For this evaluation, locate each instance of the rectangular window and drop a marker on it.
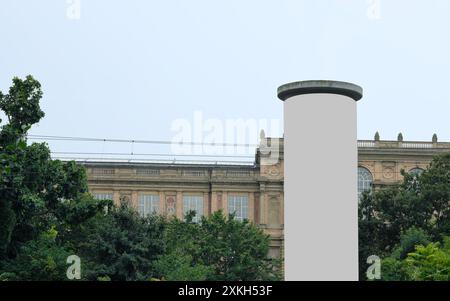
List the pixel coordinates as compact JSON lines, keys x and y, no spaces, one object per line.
{"x":193,"y":203}
{"x":148,"y":204}
{"x":103,"y":196}
{"x":239,"y":206}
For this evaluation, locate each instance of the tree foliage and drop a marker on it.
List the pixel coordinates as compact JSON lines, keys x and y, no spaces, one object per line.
{"x":178,"y":266}
{"x":430,"y":262}
{"x":232,"y":249}
{"x":427,"y":262}
{"x":393,"y":220}
{"x":119,"y":245}
{"x":43,"y":258}
{"x":47,"y":214}
{"x":36,"y":192}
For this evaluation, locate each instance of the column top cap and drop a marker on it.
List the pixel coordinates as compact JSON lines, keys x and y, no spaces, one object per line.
{"x":320,"y":86}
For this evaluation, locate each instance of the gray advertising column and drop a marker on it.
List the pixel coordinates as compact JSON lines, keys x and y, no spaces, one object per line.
{"x":320,"y":180}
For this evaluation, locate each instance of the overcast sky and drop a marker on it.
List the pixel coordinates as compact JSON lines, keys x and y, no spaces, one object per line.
{"x":128,"y":69}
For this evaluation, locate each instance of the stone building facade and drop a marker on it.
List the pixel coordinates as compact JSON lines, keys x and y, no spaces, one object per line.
{"x":252,"y":191}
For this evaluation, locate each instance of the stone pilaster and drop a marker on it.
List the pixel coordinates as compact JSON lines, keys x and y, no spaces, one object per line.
{"x":262,"y":204}
{"x":206,"y":203}
{"x":134,"y":199}
{"x":116,"y":197}
{"x":251,"y":206}
{"x":162,"y":198}
{"x":225,"y":202}
{"x":179,"y":205}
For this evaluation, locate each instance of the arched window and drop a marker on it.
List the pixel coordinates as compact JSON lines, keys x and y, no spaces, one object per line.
{"x":416,"y":171}
{"x":365,"y":180}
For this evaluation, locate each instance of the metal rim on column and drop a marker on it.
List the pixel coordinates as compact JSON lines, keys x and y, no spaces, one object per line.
{"x":320,"y":86}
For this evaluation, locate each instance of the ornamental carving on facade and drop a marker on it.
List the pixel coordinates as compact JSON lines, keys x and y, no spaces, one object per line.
{"x":125,"y":198}
{"x":388,"y":173}
{"x":274,"y":171}
{"x":170,"y":205}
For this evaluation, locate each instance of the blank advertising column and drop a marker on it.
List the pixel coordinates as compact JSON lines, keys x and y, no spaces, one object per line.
{"x":320,"y":183}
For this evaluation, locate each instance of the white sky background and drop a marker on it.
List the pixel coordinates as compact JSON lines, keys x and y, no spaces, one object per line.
{"x":128,"y":69}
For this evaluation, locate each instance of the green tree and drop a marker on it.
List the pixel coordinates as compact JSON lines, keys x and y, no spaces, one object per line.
{"x":21,"y":107}
{"x":420,"y":201}
{"x":47,"y":214}
{"x":429,"y":263}
{"x":43,"y":258}
{"x":232,"y":249}
{"x":409,"y":240}
{"x":177,"y":266}
{"x":119,"y":245}
{"x":36,"y":192}
{"x":393,"y":267}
